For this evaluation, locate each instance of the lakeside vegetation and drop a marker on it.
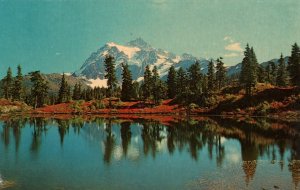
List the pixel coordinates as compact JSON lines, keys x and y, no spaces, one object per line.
{"x":256,"y":90}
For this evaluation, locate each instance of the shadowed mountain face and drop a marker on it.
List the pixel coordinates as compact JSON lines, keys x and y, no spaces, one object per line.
{"x":237,"y":68}
{"x":54,"y":80}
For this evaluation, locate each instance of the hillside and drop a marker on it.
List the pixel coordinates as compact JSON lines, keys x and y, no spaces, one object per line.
{"x":53,"y":80}
{"x":231,"y":101}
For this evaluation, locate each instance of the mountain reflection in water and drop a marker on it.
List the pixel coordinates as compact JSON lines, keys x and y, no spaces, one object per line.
{"x":136,"y":139}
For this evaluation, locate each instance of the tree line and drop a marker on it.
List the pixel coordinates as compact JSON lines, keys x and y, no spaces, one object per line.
{"x":185,"y":86}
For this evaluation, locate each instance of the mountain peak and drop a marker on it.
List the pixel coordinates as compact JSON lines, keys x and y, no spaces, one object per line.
{"x":139,"y":42}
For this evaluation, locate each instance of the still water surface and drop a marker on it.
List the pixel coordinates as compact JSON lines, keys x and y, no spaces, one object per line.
{"x":110,"y":153}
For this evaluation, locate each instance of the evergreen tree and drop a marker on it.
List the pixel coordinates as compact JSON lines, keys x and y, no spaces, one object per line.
{"x":75,"y":89}
{"x":171,"y":82}
{"x":205,"y":88}
{"x":99,"y":93}
{"x":269,"y":78}
{"x":294,"y":65}
{"x":127,"y":88}
{"x":64,"y":91}
{"x":195,"y":79}
{"x":7,"y":84}
{"x":39,"y":89}
{"x":18,"y":85}
{"x":156,"y":84}
{"x":110,"y":75}
{"x":273,"y":73}
{"x":261,"y":74}
{"x":253,"y":68}
{"x":211,"y":79}
{"x":220,"y":73}
{"x":77,"y":92}
{"x":248,"y":76}
{"x":136,"y":90}
{"x":147,"y":85}
{"x":182,"y":82}
{"x":281,"y":79}
{"x":68,"y":94}
{"x":245,"y":66}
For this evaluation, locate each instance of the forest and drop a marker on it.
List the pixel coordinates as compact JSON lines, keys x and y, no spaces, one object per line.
{"x":187,"y":88}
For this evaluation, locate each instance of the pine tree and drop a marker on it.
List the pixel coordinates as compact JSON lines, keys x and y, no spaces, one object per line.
{"x":18,"y":85}
{"x":156,"y":84}
{"x":127,"y":88}
{"x":75,"y":89}
{"x":136,"y":90}
{"x":182,"y":83}
{"x":64,"y":91}
{"x":39,"y":90}
{"x":273,"y":73}
{"x":7,"y":84}
{"x":205,"y":88}
{"x":248,"y":76}
{"x":281,"y":79}
{"x":147,"y":85}
{"x":294,"y":65}
{"x":220,"y":73}
{"x":68,"y":94}
{"x":268,"y":73}
{"x":110,"y":75}
{"x":195,"y":79}
{"x":245,"y":66}
{"x":261,"y":74}
{"x":211,"y":79}
{"x":77,"y":92}
{"x":253,"y":69}
{"x":171,"y":82}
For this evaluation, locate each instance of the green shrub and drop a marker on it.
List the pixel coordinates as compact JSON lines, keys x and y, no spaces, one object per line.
{"x":98,"y":104}
{"x":210,"y":101}
{"x":263,"y":108}
{"x":92,"y":107}
{"x":193,"y":106}
{"x":77,"y":106}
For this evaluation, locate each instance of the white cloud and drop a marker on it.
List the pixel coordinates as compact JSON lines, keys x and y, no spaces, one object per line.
{"x":231,"y":55}
{"x":236,"y":46}
{"x":228,"y":38}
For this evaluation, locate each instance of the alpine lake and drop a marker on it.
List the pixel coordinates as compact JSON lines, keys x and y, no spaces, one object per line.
{"x":96,"y":152}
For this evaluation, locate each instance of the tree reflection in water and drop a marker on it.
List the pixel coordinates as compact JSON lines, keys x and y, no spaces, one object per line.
{"x":109,"y":143}
{"x":258,"y":138}
{"x":126,"y":136}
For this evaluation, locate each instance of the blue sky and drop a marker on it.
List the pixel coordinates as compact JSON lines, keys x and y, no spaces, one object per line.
{"x":58,"y":35}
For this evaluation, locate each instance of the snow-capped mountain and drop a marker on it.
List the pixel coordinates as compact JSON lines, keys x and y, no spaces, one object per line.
{"x":137,"y":54}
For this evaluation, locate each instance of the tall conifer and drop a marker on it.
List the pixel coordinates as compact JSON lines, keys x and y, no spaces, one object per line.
{"x":110,"y":75}
{"x":171,"y":82}
{"x":7,"y":84}
{"x":211,"y":78}
{"x":18,"y":85}
{"x":220,"y":73}
{"x":294,"y":65}
{"x":127,"y":88}
{"x":281,"y":79}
